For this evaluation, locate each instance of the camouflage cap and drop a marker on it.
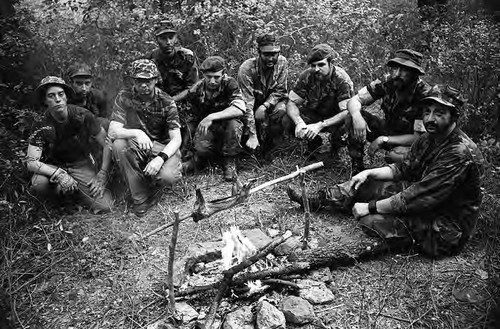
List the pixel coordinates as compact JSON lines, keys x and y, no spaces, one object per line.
{"x":409,"y":58}
{"x":79,"y":69}
{"x":52,"y":81}
{"x":144,"y":69}
{"x":320,"y":52}
{"x":447,"y":96}
{"x":164,"y":26}
{"x":267,"y":43}
{"x":213,"y":64}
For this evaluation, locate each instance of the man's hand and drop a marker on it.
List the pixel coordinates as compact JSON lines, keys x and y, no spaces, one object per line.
{"x":102,"y":177}
{"x":252,"y":142}
{"x":204,"y":125}
{"x":360,"y":209}
{"x":67,"y":183}
{"x":375,"y":146}
{"x":359,"y":126}
{"x":153,"y":167}
{"x":143,"y":140}
{"x":260,"y":113}
{"x":300,"y":129}
{"x":357,"y":180}
{"x":96,"y":187}
{"x":312,"y":130}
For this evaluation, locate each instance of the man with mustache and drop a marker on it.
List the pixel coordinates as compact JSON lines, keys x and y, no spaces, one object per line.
{"x":178,"y":72}
{"x":86,"y":95}
{"x":263,"y":82}
{"x":218,"y":107}
{"x":431,"y":198}
{"x":59,"y":150}
{"x":318,"y":101}
{"x":146,"y":136}
{"x":400,"y":91}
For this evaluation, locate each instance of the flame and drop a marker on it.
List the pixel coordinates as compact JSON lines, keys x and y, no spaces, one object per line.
{"x":236,"y":247}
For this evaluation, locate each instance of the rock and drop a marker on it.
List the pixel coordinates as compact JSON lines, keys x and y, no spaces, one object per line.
{"x":242,"y":318}
{"x":315,"y":292}
{"x":297,"y":310}
{"x":258,"y":238}
{"x":287,"y":247}
{"x":322,"y":274}
{"x":186,"y":311}
{"x":160,"y":324}
{"x":269,"y":317}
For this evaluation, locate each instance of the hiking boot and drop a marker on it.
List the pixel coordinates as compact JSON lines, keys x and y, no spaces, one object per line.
{"x":314,"y":203}
{"x":357,"y":166}
{"x":188,"y":167}
{"x":142,"y":208}
{"x":229,"y":168}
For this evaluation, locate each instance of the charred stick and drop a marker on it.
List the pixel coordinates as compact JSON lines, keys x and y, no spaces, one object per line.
{"x":307,"y":211}
{"x":165,"y":226}
{"x":280,"y":282}
{"x":171,"y":259}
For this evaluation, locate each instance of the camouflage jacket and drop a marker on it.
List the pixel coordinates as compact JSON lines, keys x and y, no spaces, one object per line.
{"x":258,"y":89}
{"x":324,"y":97}
{"x":155,"y":118}
{"x":65,"y":142}
{"x":177,"y":73}
{"x":445,"y":180}
{"x":229,"y":94}
{"x":399,"y":107}
{"x":96,"y":102}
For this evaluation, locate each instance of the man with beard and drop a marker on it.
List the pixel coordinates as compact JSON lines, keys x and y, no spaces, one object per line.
{"x":86,"y":96}
{"x":59,"y":150}
{"x":263,"y":82}
{"x":217,"y":106}
{"x":436,"y":203}
{"x":399,"y":91}
{"x":146,"y":136}
{"x":318,"y":100}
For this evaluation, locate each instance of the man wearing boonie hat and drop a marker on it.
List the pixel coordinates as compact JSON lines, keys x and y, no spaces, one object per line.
{"x":318,"y":100}
{"x":146,"y":136}
{"x":217,"y":106}
{"x":263,"y":82}
{"x":400,"y":91}
{"x":436,"y":204}
{"x":59,"y":149}
{"x":95,"y":100}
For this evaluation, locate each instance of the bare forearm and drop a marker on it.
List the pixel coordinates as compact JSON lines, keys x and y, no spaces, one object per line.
{"x":382,"y":173}
{"x":172,"y":147}
{"x":229,"y":113}
{"x":384,"y":206}
{"x":121,"y":132}
{"x":335,"y":120}
{"x":40,"y":168}
{"x":402,"y":140}
{"x":354,"y":106}
{"x":180,"y":96}
{"x":293,"y":112}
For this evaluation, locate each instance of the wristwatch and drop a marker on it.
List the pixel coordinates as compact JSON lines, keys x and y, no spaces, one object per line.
{"x":164,"y":156}
{"x":385,"y":140}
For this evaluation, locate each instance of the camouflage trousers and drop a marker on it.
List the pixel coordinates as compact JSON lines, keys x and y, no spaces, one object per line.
{"x":377,"y":128}
{"x":272,"y":126}
{"x":223,"y":138}
{"x":433,"y":234}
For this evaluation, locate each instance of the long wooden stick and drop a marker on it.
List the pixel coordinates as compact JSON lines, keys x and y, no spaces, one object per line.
{"x":253,"y":190}
{"x":171,"y":259}
{"x":307,"y":212}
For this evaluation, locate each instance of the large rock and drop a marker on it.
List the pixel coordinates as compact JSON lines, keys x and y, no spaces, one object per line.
{"x":186,"y":311}
{"x":269,"y":317}
{"x":315,"y":292}
{"x":242,"y":318}
{"x":289,"y":246}
{"x":258,"y":238}
{"x":297,"y":310}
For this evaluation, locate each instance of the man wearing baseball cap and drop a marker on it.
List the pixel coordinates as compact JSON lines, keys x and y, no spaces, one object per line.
{"x":400,"y":91}
{"x":59,"y":149}
{"x":146,"y":136}
{"x":217,"y":106}
{"x":86,"y":95}
{"x":318,"y":101}
{"x":432,"y":198}
{"x":263,"y":82}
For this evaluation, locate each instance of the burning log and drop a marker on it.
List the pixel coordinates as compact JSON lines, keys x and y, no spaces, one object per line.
{"x":203,"y":209}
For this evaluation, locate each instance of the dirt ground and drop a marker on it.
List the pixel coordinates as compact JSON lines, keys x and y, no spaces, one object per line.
{"x":83,"y":271}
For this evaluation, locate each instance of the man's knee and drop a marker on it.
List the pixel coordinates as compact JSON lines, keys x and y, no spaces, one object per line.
{"x":171,"y":171}
{"x":119,"y":145}
{"x":41,"y":185}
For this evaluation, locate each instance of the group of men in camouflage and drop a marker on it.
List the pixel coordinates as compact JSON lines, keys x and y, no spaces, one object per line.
{"x":171,"y":120}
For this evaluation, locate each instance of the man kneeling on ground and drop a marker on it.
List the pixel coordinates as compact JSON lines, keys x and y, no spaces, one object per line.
{"x":438,"y":207}
{"x":146,"y":136}
{"x":59,"y":149}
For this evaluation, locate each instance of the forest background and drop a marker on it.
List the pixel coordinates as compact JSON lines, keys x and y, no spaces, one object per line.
{"x":461,"y":47}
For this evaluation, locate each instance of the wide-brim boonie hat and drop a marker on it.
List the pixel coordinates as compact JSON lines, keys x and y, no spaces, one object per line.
{"x":53,"y":81}
{"x":144,"y":69}
{"x":408,"y":58}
